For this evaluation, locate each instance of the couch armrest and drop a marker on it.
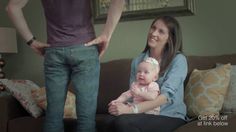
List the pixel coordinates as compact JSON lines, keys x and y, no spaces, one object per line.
{"x":10,"y":109}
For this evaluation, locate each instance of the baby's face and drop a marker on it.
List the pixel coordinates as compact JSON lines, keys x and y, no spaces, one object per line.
{"x":146,"y":73}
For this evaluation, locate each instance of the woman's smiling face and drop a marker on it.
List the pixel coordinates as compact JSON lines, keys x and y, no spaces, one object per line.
{"x":158,"y":35}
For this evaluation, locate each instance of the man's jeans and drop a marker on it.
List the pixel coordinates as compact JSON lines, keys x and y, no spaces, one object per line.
{"x":80,"y":65}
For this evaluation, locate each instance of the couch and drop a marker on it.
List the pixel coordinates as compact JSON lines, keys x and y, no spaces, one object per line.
{"x":113,"y":81}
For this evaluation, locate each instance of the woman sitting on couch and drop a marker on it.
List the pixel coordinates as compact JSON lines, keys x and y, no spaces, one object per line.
{"x":164,"y":42}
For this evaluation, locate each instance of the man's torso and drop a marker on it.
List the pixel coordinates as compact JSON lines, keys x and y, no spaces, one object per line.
{"x":69,"y":22}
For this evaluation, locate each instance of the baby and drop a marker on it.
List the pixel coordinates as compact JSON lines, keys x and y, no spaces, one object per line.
{"x":144,"y":87}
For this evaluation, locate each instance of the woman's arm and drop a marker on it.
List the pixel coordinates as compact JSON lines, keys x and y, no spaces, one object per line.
{"x":149,"y":105}
{"x":120,"y":108}
{"x":132,"y":72}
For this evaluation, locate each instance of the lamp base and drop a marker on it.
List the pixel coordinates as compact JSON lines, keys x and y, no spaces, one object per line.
{"x":2,"y":87}
{"x":2,"y":64}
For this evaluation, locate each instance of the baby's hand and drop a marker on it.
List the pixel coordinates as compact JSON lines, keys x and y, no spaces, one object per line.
{"x":113,"y":102}
{"x":135,"y":91}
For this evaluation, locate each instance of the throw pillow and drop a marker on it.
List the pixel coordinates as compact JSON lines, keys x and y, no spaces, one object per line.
{"x":205,"y":90}
{"x":229,"y":106}
{"x":39,"y":96}
{"x":21,"y":90}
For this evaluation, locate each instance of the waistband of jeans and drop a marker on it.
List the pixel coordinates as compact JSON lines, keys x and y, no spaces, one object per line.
{"x":73,"y":47}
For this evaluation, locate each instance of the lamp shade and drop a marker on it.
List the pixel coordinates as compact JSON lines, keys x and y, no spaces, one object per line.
{"x":8,"y":40}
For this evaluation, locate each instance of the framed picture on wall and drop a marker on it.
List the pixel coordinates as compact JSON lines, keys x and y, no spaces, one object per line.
{"x":145,"y":9}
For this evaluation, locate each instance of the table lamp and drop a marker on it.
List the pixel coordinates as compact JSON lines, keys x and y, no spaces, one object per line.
{"x":7,"y":45}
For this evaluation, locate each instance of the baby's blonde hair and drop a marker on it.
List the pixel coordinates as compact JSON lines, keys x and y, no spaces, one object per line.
{"x":154,"y":62}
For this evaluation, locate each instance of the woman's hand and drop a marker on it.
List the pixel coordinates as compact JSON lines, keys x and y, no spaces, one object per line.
{"x":119,"y":109}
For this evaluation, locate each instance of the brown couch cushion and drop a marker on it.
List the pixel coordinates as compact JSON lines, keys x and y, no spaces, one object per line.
{"x":207,"y":62}
{"x":114,"y":79}
{"x":25,"y":124}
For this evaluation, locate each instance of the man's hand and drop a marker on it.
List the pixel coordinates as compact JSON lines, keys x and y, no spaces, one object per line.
{"x":102,"y":41}
{"x":38,"y":47}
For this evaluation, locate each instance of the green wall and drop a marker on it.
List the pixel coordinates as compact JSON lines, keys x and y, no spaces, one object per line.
{"x":209,"y":32}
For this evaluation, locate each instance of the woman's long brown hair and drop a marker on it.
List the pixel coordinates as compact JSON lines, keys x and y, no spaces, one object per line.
{"x":174,"y":43}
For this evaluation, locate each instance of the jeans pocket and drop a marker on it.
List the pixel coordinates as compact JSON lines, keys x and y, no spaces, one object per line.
{"x":53,"y":57}
{"x":85,"y":53}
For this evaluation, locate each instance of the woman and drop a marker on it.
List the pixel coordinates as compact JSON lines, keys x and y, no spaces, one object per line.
{"x":164,"y":43}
